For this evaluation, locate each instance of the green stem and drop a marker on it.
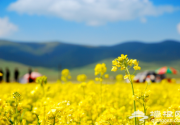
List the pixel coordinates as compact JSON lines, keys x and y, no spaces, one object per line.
{"x":132,"y":92}
{"x":144,"y":110}
{"x":37,"y":119}
{"x":54,"y":120}
{"x":144,"y":105}
{"x":146,"y":87}
{"x":16,"y":113}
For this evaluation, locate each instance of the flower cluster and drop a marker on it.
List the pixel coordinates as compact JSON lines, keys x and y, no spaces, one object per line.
{"x":100,"y":69}
{"x":106,"y":76}
{"x":65,"y":75}
{"x":81,"y":78}
{"x":42,"y":80}
{"x":142,"y":96}
{"x":123,"y":62}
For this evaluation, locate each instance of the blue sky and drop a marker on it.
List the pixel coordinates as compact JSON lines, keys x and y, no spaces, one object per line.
{"x":90,"y":22}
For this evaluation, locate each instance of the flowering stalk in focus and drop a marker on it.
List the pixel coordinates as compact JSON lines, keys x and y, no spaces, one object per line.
{"x":123,"y":63}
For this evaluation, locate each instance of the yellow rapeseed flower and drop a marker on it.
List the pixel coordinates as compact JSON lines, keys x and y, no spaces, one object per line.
{"x":119,"y":77}
{"x":81,"y":78}
{"x":120,"y":59}
{"x":126,"y":76}
{"x":135,"y":62}
{"x":83,"y":84}
{"x":137,"y":68}
{"x":114,"y":68}
{"x":106,"y":75}
{"x":124,"y":63}
{"x":130,"y":62}
{"x":123,"y":68}
{"x":65,"y":72}
{"x":68,"y":104}
{"x":65,"y":75}
{"x":100,"y":69}
{"x":123,"y":56}
{"x":114,"y":62}
{"x":96,"y":79}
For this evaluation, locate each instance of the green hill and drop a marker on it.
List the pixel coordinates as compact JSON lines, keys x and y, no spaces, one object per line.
{"x":53,"y":54}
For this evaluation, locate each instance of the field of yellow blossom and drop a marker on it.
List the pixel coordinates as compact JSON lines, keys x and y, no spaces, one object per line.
{"x":84,"y":104}
{"x":91,"y":102}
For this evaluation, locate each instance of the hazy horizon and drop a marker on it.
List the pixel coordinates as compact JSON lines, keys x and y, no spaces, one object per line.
{"x":83,"y":44}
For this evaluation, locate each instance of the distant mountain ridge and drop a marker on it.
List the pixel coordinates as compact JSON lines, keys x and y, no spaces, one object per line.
{"x":53,"y":54}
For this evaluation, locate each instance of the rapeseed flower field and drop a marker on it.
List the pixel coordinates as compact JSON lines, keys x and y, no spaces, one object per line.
{"x":91,"y":102}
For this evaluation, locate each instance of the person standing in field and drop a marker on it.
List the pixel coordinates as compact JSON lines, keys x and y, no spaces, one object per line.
{"x":30,"y":78}
{"x":7,"y":75}
{"x":16,"y":75}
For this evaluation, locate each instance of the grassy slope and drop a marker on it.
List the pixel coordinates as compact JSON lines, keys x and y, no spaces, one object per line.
{"x":88,"y":70}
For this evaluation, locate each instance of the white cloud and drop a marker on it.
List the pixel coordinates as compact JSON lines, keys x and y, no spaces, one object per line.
{"x":92,"y":12}
{"x":143,"y":20}
{"x":6,"y":27}
{"x":178,"y":28}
